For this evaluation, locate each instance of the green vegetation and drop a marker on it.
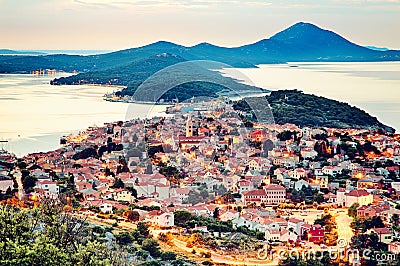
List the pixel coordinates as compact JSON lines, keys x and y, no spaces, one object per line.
{"x":187,"y":220}
{"x":46,"y":236}
{"x":134,"y":74}
{"x":352,"y":211}
{"x":364,"y":224}
{"x":296,"y":107}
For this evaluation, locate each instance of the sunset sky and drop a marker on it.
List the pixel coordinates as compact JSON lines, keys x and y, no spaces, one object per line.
{"x":119,"y":24}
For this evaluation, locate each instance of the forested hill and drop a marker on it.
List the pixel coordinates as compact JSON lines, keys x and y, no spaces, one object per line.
{"x":201,"y":80}
{"x":296,"y":107}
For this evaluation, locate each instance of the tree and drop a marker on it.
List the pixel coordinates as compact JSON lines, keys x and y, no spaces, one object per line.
{"x":318,"y":197}
{"x":216,"y":213}
{"x":143,"y":229}
{"x":47,"y":236}
{"x":152,"y":247}
{"x":168,"y":255}
{"x":133,"y":191}
{"x":29,"y":183}
{"x":395,"y":219}
{"x":124,"y":238}
{"x":132,"y":216}
{"x":118,"y":183}
{"x":352,"y":211}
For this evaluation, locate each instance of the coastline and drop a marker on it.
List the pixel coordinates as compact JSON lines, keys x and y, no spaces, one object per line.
{"x":370,"y":86}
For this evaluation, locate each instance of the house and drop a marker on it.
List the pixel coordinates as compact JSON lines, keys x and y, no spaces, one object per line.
{"x":298,"y":173}
{"x":331,"y":170}
{"x":361,"y":197}
{"x":273,"y":235}
{"x":384,"y":234}
{"x":270,"y":195}
{"x":288,"y":236}
{"x":122,"y":195}
{"x":82,"y":185}
{"x":316,"y":233}
{"x":227,"y":215}
{"x":381,"y":210}
{"x":298,"y":185}
{"x":256,"y":164}
{"x":181,"y":193}
{"x":48,"y":186}
{"x":106,"y":207}
{"x":308,"y":153}
{"x":322,"y":181}
{"x":161,"y":219}
{"x":244,"y":185}
{"x":295,"y":225}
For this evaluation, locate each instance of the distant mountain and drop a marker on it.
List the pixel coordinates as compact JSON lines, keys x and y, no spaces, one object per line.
{"x":296,"y":107}
{"x":13,"y":52}
{"x":300,"y":42}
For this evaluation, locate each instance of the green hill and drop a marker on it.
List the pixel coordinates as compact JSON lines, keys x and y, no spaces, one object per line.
{"x":296,"y":107}
{"x":189,"y":79}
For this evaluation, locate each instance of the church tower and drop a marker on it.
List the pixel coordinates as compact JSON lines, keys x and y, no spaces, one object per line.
{"x":189,"y":127}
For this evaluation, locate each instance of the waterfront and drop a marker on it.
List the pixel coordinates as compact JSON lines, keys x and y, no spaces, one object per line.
{"x":373,"y":87}
{"x":34,"y":114}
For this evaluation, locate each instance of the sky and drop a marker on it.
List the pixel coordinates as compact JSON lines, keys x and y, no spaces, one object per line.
{"x":120,"y":24}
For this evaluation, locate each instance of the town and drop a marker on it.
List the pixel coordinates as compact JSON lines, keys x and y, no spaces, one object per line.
{"x":217,"y":188}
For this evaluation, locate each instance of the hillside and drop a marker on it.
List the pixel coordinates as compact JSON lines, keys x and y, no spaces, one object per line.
{"x":300,"y":42}
{"x":189,"y":79}
{"x":296,"y":107}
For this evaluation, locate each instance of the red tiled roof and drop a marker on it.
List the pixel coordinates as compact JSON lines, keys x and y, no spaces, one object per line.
{"x":358,"y":193}
{"x":256,"y":192}
{"x":381,"y":231}
{"x":274,"y":187}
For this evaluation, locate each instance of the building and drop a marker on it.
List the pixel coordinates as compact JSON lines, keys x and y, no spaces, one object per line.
{"x":244,"y":185}
{"x":106,"y":207}
{"x":316,"y":233}
{"x":123,"y":195}
{"x":269,"y":195}
{"x":394,"y":247}
{"x":48,"y":186}
{"x":384,"y":234}
{"x":161,"y":219}
{"x":361,"y":197}
{"x":381,"y":210}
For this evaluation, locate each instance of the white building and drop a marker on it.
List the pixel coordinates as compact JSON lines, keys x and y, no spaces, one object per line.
{"x":48,"y":186}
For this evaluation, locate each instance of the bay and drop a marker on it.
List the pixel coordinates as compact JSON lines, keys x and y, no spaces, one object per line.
{"x":34,"y":114}
{"x":371,"y":86}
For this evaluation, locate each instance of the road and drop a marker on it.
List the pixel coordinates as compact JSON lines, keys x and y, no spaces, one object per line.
{"x":224,"y":259}
{"x":344,"y":230}
{"x":18,"y":178}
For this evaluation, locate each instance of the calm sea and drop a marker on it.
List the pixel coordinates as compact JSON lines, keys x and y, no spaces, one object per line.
{"x":34,"y":114}
{"x":373,"y":87}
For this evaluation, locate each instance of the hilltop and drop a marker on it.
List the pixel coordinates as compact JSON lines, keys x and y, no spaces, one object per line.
{"x":296,"y":107}
{"x":300,"y":42}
